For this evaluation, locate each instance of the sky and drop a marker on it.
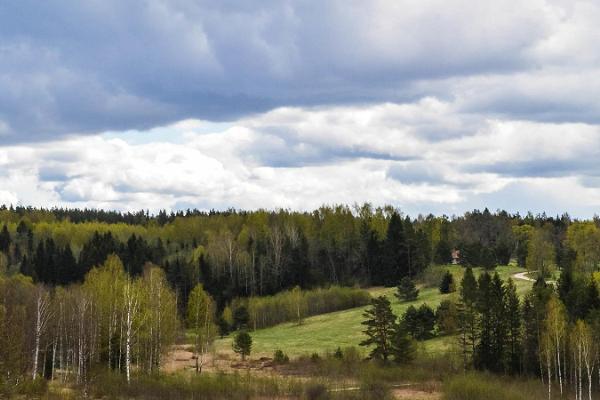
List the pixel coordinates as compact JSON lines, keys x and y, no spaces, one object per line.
{"x":438,"y":106}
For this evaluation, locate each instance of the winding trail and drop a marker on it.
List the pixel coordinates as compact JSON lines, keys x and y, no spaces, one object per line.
{"x":523,"y":276}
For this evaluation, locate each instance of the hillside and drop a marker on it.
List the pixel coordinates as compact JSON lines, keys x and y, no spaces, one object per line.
{"x":326,"y":332}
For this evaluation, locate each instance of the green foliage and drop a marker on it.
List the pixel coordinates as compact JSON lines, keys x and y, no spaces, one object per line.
{"x":381,"y":324}
{"x":242,"y":344}
{"x":419,"y":323}
{"x":240,"y":317}
{"x":446,"y":317}
{"x":407,"y":291}
{"x":447,"y":283}
{"x":474,"y":386}
{"x":403,"y":346}
{"x":338,"y":353}
{"x":280,"y":357}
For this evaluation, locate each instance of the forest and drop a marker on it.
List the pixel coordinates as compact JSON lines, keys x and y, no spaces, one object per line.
{"x":86,"y":292}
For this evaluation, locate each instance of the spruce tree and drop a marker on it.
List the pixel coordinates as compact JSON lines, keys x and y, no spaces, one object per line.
{"x":499,"y":323}
{"x":467,"y":316}
{"x":381,"y":326}
{"x":484,"y":354}
{"x":447,"y":284}
{"x":394,"y":264}
{"x":4,"y":239}
{"x":406,"y":290}
{"x":513,"y":329}
{"x":403,"y":346}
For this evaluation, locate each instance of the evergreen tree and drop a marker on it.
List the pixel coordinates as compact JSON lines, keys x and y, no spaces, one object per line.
{"x":484,"y":351}
{"x":468,"y":319}
{"x":513,"y":329}
{"x":241,"y":318}
{"x":4,"y":239}
{"x":26,"y":267}
{"x":242,"y":344}
{"x":394,"y":264}
{"x":380,"y":328}
{"x":403,"y":346}
{"x":443,"y":252}
{"x":499,"y":324}
{"x":446,"y":317}
{"x":419,"y":323}
{"x":447,"y":284}
{"x":468,"y":288}
{"x":406,"y":290}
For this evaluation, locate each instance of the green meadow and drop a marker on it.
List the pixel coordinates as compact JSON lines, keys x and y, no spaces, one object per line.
{"x":324,"y":333}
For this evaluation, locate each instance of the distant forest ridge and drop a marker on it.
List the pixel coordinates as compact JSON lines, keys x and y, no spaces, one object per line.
{"x":244,"y":253}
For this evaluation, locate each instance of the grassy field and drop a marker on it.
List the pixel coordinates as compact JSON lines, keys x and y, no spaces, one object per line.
{"x":323,"y":333}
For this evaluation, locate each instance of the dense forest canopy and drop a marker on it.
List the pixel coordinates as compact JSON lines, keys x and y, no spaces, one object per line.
{"x":243,"y":253}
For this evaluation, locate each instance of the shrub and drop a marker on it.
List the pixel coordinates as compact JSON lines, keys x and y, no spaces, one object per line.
{"x":315,"y":357}
{"x":294,"y":305}
{"x":338,"y":353}
{"x":432,"y":276}
{"x":316,"y":391}
{"x":280,"y":357}
{"x":475,"y":386}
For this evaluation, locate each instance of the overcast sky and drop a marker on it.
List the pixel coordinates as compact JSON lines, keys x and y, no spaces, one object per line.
{"x":433,"y":106}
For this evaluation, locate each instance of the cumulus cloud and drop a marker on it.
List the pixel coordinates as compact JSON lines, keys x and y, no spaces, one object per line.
{"x":301,"y":158}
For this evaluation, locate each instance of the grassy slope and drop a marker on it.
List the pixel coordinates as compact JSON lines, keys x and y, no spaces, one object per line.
{"x":326,"y":332}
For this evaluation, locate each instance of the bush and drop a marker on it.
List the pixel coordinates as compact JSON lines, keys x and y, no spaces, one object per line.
{"x":316,"y":391}
{"x":315,"y":357}
{"x":432,"y":276}
{"x":475,"y":386}
{"x":338,"y":353}
{"x":280,"y":357}
{"x":286,"y":306}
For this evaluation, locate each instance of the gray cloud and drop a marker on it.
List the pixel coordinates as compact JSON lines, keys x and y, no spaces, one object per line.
{"x":81,"y":67}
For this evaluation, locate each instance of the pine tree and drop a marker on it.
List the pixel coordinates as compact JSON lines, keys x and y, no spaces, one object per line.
{"x":381,"y":324}
{"x":406,"y":290}
{"x":242,"y":344}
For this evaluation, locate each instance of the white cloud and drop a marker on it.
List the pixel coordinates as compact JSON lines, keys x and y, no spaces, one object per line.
{"x":304,"y":157}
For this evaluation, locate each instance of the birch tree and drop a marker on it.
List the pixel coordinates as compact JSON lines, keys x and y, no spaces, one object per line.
{"x":201,"y":318}
{"x":556,"y":330}
{"x":43,"y":313}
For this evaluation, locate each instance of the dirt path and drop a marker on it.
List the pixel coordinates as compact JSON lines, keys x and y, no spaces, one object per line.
{"x":523,"y":276}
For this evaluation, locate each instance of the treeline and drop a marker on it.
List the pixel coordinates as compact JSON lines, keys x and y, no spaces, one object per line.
{"x":241,"y":254}
{"x":295,"y":305}
{"x":111,"y":322}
